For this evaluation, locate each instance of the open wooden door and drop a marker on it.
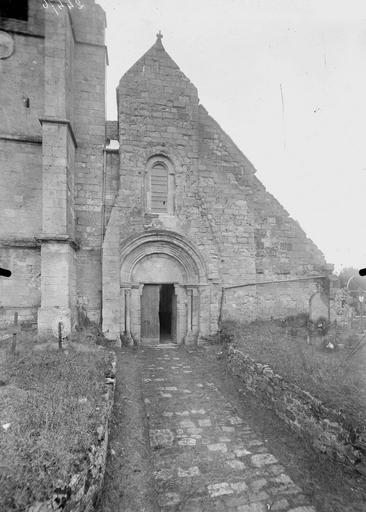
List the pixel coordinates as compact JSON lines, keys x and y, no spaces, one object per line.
{"x":150,"y":326}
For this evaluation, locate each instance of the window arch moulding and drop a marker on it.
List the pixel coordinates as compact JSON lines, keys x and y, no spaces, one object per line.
{"x":159,"y":185}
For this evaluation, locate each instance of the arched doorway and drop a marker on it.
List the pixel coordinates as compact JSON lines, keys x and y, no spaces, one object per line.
{"x":159,"y":275}
{"x":162,"y":276}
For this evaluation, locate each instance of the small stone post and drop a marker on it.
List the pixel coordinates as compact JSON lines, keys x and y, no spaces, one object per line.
{"x":60,"y":336}
{"x":14,"y":340}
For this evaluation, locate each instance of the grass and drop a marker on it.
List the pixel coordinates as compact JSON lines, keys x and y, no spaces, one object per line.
{"x":337,"y":377}
{"x":52,"y":401}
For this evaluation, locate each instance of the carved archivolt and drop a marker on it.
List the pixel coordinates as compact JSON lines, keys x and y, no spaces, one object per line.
{"x":167,"y":243}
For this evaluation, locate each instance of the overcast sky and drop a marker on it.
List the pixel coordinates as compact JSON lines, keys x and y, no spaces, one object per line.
{"x":286,"y":79}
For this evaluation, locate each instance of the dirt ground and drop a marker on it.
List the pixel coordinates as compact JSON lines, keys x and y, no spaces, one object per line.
{"x":128,"y":481}
{"x":129,"y":485}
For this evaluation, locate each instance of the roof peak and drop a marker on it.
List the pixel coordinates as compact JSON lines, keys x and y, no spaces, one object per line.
{"x":155,"y":63}
{"x":159,"y":37}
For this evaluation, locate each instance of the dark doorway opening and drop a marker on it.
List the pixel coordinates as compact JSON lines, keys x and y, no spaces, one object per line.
{"x":166,"y":312}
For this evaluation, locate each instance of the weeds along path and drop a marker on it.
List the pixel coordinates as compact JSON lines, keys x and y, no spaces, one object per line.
{"x":128,"y":481}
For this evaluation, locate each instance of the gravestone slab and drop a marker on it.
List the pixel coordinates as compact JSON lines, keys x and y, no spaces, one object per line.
{"x":318,"y":307}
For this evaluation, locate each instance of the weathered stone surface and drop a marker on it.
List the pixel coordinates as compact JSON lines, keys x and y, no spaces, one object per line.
{"x":190,"y":472}
{"x":76,"y":204}
{"x":302,"y":509}
{"x":205,"y":473}
{"x":52,"y":174}
{"x":253,"y":507}
{"x":219,"y":489}
{"x":161,"y":438}
{"x":262,"y":459}
{"x":236,"y":464}
{"x":217,"y":447}
{"x":280,"y":505}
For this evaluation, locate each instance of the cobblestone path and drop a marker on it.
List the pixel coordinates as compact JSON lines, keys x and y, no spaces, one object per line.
{"x":206,"y":458}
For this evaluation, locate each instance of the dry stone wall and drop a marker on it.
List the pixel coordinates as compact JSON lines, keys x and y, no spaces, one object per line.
{"x":328,"y":430}
{"x":80,"y":493}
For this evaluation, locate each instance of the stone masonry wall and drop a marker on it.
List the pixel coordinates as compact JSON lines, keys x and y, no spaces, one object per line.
{"x":89,"y":126}
{"x":328,"y":430}
{"x":279,"y":300}
{"x":159,"y":113}
{"x":20,"y":189}
{"x":279,"y":248}
{"x":111,"y":185}
{"x":61,"y":77}
{"x":22,"y":292}
{"x":111,"y":290}
{"x":21,"y":79}
{"x":230,"y":219}
{"x":266,"y":301}
{"x":282,"y":247}
{"x":58,"y":294}
{"x":242,"y":232}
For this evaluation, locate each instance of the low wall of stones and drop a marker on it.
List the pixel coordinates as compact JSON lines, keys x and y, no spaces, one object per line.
{"x":269,"y":300}
{"x":328,"y":431}
{"x":80,"y":493}
{"x":279,"y":300}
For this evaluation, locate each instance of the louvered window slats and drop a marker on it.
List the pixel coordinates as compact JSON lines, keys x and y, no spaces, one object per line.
{"x":159,"y":189}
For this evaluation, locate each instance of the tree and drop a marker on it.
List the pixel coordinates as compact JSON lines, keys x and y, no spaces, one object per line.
{"x":357,"y":283}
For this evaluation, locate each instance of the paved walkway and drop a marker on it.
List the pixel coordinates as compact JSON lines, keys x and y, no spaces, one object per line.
{"x":206,"y":458}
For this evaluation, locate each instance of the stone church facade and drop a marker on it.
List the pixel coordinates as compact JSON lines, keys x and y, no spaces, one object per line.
{"x":155,"y":225}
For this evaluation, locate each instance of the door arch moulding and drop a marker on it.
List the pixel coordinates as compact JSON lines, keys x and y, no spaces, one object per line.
{"x":183,"y":251}
{"x":193,"y":276}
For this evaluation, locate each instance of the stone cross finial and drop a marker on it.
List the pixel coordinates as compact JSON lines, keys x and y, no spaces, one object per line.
{"x":159,"y":36}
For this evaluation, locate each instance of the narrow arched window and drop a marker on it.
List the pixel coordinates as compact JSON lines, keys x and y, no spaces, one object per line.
{"x":159,"y":188}
{"x":159,"y":185}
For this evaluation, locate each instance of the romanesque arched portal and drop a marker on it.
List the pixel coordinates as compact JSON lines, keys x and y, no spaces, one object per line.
{"x":162,"y":278}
